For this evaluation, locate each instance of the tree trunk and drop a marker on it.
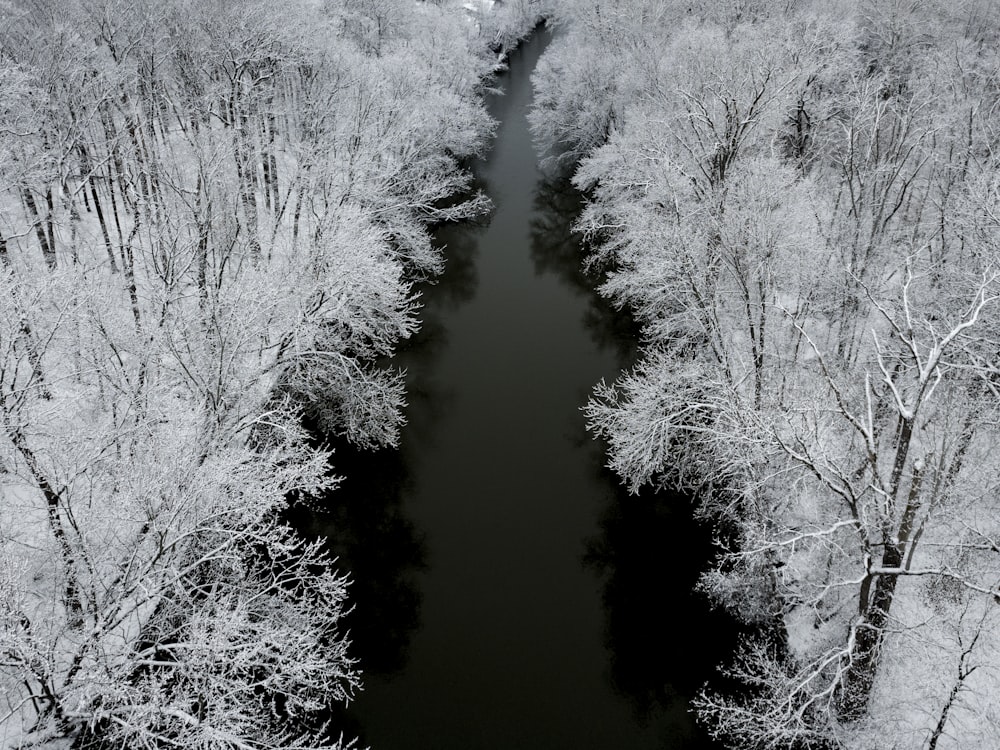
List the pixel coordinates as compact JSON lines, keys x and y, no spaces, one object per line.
{"x":874,"y":609}
{"x":857,"y":685}
{"x":129,"y":266}
{"x":71,"y":588}
{"x":203,"y":220}
{"x":49,"y":219}
{"x":246,"y":178}
{"x":269,"y":160}
{"x":48,"y":251}
{"x":85,"y":163}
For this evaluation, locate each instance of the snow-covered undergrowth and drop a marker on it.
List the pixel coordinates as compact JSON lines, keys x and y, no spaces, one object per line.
{"x":800,"y":205}
{"x":212,"y":219}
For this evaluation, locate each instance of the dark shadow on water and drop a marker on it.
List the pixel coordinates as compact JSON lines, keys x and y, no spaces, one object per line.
{"x":663,"y":638}
{"x":649,"y":555}
{"x":460,"y":281}
{"x":364,"y":526}
{"x":363,"y":520}
{"x":556,"y":249}
{"x":427,"y":398}
{"x":641,"y":554}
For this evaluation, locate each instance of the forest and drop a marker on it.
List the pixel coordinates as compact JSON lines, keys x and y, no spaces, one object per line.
{"x":213,"y":219}
{"x":799,"y":202}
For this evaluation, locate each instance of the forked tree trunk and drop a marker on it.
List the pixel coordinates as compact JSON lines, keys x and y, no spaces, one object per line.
{"x":71,"y":589}
{"x":874,"y":606}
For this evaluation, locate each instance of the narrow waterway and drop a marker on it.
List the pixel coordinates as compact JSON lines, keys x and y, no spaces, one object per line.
{"x":508,"y":594}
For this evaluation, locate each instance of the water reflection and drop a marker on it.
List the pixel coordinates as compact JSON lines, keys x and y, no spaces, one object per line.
{"x":459,"y":282}
{"x":661,"y":636}
{"x":514,"y":648}
{"x":363,"y":520}
{"x":649,"y":555}
{"x":555,"y":249}
{"x":364,"y":525}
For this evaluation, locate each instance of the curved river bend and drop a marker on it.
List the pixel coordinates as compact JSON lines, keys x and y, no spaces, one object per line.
{"x":508,"y":594}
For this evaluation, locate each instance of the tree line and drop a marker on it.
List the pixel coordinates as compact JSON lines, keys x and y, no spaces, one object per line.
{"x":212,"y":218}
{"x":799,"y":203}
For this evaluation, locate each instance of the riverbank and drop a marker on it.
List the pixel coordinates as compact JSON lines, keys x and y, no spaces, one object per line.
{"x":779,"y":198}
{"x":248,"y":210}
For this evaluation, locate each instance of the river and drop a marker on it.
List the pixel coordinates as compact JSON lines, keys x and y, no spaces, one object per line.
{"x":509,"y":594}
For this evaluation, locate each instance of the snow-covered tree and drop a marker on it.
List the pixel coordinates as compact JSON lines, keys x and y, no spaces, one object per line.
{"x":212,"y":220}
{"x":799,"y":208}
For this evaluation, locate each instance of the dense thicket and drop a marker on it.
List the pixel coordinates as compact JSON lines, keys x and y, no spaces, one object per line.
{"x":211,"y":218}
{"x":800,"y":203}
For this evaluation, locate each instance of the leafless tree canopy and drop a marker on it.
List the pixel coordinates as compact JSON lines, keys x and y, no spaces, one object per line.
{"x":799,"y":202}
{"x":211,"y":220}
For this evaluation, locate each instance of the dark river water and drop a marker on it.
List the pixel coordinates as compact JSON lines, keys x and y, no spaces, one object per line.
{"x":508,"y":593}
